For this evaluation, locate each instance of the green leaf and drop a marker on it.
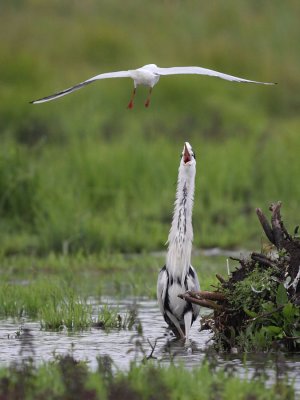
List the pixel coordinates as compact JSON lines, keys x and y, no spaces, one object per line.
{"x":281,"y":295}
{"x":250,"y":313}
{"x":268,"y":307}
{"x":289,"y":311}
{"x":273,"y":331}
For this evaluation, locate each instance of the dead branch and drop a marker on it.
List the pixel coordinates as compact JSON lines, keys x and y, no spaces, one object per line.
{"x":262,"y":259}
{"x":201,"y":302}
{"x":206,"y":295}
{"x":265,"y":224}
{"x":220,"y":278}
{"x":276,"y":224}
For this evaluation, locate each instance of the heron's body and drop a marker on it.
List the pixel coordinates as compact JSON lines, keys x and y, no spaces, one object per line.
{"x":178,"y":275}
{"x":148,"y":75}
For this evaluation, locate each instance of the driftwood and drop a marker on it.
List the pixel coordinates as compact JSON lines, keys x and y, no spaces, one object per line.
{"x":281,"y":260}
{"x":204,"y":299}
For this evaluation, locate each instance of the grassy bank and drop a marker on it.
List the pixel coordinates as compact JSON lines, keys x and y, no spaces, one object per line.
{"x":115,"y":275}
{"x":94,"y":195}
{"x":84,"y":174}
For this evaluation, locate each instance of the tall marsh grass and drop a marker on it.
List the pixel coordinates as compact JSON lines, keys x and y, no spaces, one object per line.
{"x":58,"y":306}
{"x":83,"y":174}
{"x":115,"y":196}
{"x":54,"y":304}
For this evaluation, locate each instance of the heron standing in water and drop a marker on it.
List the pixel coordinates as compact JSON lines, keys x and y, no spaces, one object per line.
{"x":178,"y":275}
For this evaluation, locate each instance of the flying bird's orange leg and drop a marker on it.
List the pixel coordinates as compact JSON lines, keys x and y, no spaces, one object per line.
{"x":148,"y":98}
{"x":130,"y":105}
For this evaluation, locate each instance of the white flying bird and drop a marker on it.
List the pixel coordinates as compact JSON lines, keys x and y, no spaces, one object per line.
{"x":148,"y":75}
{"x":178,"y":275}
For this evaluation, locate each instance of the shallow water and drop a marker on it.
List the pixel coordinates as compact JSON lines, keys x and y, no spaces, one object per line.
{"x":121,"y":347}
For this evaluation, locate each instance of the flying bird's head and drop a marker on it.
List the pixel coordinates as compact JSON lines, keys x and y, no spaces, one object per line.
{"x":150,"y":67}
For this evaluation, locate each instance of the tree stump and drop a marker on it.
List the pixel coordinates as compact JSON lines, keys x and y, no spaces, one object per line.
{"x":258,"y":306}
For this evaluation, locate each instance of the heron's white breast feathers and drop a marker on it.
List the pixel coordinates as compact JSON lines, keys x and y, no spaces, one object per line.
{"x":181,"y":233}
{"x":177,"y":305}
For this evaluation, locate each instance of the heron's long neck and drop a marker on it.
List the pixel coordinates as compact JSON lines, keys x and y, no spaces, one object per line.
{"x":181,"y":233}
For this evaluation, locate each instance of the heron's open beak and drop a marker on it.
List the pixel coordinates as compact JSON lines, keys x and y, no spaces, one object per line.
{"x":186,"y":155}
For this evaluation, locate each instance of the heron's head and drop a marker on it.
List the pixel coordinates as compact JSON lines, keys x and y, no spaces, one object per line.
{"x":188,"y":158}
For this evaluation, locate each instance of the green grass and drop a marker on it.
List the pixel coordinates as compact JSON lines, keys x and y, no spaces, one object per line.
{"x":96,"y":198}
{"x":115,"y":275}
{"x":59,"y":303}
{"x":84,"y":174}
{"x":110,"y":318}
{"x":54,"y":304}
{"x":54,"y":289}
{"x":66,"y":378}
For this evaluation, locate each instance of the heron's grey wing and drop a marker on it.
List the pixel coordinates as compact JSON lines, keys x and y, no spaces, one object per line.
{"x":204,"y":71}
{"x":107,"y":75}
{"x":162,"y":284}
{"x":194,"y":286}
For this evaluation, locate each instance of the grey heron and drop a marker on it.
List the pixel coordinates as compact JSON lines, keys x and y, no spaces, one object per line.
{"x":148,"y":75}
{"x":178,"y":275}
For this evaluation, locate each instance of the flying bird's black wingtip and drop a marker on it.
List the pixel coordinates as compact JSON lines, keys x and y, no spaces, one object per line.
{"x":31,"y":102}
{"x":270,"y":83}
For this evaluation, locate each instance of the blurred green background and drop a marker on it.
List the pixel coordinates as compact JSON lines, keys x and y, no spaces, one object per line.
{"x":84,"y":174}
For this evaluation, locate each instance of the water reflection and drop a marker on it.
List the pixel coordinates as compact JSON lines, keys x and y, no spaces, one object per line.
{"x":18,"y":340}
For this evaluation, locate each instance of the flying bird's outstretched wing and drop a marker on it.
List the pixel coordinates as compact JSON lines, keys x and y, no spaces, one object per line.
{"x":107,"y":75}
{"x":204,"y":71}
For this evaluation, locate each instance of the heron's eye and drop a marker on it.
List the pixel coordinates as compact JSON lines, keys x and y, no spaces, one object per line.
{"x":194,"y":155}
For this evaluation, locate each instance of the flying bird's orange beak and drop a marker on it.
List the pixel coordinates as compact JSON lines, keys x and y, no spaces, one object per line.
{"x":186,"y":155}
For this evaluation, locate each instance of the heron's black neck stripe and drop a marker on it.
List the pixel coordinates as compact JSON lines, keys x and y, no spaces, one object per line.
{"x":182,"y":208}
